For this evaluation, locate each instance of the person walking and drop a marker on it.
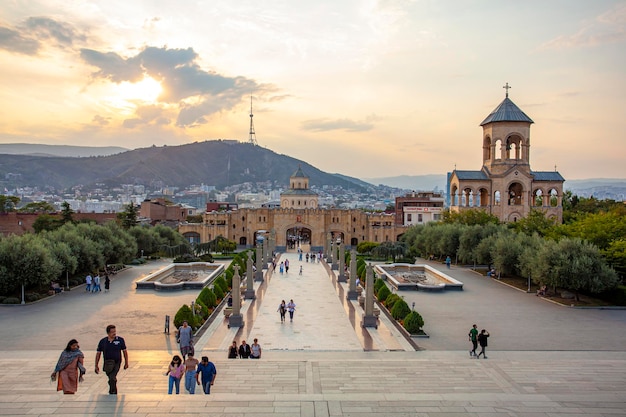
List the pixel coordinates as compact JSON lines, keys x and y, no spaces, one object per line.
{"x":185,"y":338}
{"x":482,"y":340}
{"x":286,"y":266}
{"x":175,"y":370}
{"x":96,"y":284}
{"x":112,"y":347}
{"x":88,"y":281}
{"x":291,"y":308}
{"x":69,"y":370}
{"x":255,"y":350}
{"x":244,"y":350}
{"x":448,"y":262}
{"x":207,"y":373}
{"x":473,"y":337}
{"x":232,"y":350}
{"x":300,"y":270}
{"x":282,"y":309}
{"x":190,"y":373}
{"x":281,"y":268}
{"x":107,"y":282}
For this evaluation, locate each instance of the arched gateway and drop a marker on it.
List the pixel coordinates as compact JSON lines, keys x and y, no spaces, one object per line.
{"x":299,"y":219}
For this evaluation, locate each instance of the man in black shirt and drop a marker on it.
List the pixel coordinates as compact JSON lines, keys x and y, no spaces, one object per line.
{"x":244,"y":350}
{"x":112,"y":347}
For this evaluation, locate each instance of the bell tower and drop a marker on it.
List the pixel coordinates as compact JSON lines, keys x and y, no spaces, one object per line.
{"x":506,"y":137}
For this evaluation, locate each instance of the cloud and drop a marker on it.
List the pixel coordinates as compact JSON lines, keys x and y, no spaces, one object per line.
{"x":609,"y":27}
{"x":13,"y":41}
{"x":148,"y":115}
{"x":198,"y":92}
{"x":100,"y":120}
{"x":31,"y":35}
{"x":47,"y":28}
{"x":347,"y":125}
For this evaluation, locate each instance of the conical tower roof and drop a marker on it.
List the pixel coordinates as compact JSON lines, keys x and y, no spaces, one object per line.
{"x":507,"y":111}
{"x":299,"y":173}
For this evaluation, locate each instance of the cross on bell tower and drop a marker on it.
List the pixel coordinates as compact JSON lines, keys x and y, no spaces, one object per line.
{"x":507,"y":87}
{"x":252,"y":137}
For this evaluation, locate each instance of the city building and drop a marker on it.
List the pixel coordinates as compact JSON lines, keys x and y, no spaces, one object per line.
{"x":506,"y":186}
{"x":160,"y":210}
{"x":419,"y":208}
{"x":298,"y":220}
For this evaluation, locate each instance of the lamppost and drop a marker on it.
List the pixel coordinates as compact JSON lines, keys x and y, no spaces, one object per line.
{"x":413,"y":306}
{"x":142,"y":254}
{"x":193,"y":308}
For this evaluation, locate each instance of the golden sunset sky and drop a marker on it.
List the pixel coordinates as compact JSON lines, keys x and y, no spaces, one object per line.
{"x":363,"y":88}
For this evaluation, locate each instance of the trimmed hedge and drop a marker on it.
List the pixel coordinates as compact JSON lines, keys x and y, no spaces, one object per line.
{"x":413,"y":322}
{"x":391,"y":300}
{"x":400,"y":310}
{"x":383,"y":293}
{"x":207,"y":297}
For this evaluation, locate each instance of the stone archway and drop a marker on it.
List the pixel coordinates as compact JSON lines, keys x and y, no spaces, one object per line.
{"x":297,"y":236}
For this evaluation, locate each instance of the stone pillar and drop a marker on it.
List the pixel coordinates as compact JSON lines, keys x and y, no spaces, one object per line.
{"x":352,"y":293}
{"x":327,"y":247}
{"x":334,"y":249}
{"x":236,"y":319}
{"x":250,"y":294}
{"x":342,"y":262}
{"x":369,"y":319}
{"x":258,"y":275}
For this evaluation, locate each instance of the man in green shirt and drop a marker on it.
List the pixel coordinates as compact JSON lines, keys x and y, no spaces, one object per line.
{"x":473,"y":337}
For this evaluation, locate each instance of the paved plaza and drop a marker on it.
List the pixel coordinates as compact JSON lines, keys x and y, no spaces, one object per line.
{"x":544,"y":359}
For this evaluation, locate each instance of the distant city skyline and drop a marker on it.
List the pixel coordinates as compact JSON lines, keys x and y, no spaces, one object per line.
{"x":363,"y":88}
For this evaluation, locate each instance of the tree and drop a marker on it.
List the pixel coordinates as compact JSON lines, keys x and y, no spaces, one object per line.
{"x":37,"y":207}
{"x":128,"y":217}
{"x":575,"y":265}
{"x":26,"y":260}
{"x":8,"y":203}
{"x":390,"y":250}
{"x":66,"y":213}
{"x":535,"y":222}
{"x":469,"y":217}
{"x":45,"y":222}
{"x":366,"y":247}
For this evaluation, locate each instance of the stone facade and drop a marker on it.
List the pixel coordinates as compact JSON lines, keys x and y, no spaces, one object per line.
{"x":506,"y":186}
{"x":293,"y":223}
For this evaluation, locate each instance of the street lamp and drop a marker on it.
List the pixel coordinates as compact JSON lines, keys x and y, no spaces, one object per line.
{"x":193,"y":309}
{"x":142,"y":254}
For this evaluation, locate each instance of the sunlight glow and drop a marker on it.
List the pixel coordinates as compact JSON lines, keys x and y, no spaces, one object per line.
{"x":146,"y":90}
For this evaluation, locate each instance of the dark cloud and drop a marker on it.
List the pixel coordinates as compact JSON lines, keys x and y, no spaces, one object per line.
{"x":47,"y":28}
{"x":100,"y":120}
{"x":112,"y":66}
{"x":13,"y":41}
{"x":325,"y":125}
{"x":31,"y":35}
{"x":180,"y":77}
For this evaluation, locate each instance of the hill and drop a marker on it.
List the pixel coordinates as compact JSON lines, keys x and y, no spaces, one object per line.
{"x":217,"y":162}
{"x":412,"y":182}
{"x":58,"y":150}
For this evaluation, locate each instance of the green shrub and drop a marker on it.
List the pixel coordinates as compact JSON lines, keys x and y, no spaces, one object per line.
{"x":391,"y":300}
{"x":221,"y":282}
{"x":413,"y":322}
{"x":383,"y":293}
{"x":208,"y":298}
{"x":11,"y":300}
{"x":616,"y":296}
{"x":201,"y":310}
{"x":185,"y":258}
{"x":184,"y":314}
{"x":400,"y":310}
{"x":30,"y":297}
{"x":378,"y":284}
{"x":219,"y":294}
{"x":207,"y":257}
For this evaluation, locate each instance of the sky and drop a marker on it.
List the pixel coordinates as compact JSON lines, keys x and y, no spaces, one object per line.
{"x":364,"y":88}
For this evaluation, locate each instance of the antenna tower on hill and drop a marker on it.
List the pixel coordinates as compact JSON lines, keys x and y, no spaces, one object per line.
{"x":252,"y":138}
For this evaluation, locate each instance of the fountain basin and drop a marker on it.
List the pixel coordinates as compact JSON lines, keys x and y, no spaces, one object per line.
{"x":417,"y":277}
{"x":193,"y":275}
